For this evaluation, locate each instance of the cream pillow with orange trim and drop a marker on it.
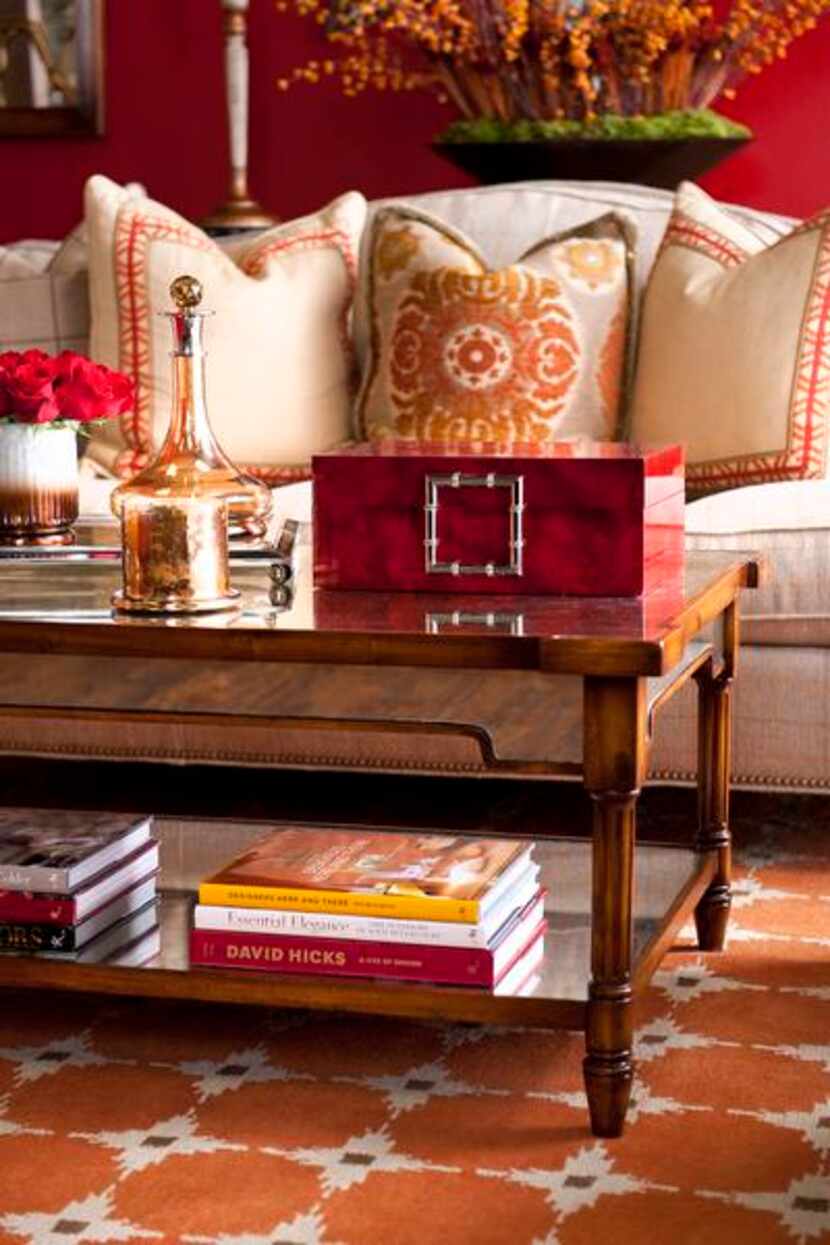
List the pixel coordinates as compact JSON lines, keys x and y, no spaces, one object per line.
{"x":280,"y":364}
{"x":734,"y":352}
{"x":458,"y":352}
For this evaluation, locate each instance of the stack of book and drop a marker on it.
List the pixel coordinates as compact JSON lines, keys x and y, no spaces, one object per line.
{"x":78,"y":886}
{"x":417,"y":907}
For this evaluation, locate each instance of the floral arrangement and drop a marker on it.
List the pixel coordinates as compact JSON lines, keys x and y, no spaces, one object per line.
{"x":562,"y":61}
{"x":56,"y":390}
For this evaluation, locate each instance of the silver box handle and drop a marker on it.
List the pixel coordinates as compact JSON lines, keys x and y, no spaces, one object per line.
{"x":457,"y":479}
{"x":511,"y":624}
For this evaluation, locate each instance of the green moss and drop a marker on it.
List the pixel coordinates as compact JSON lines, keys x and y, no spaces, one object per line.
{"x":666,"y":126}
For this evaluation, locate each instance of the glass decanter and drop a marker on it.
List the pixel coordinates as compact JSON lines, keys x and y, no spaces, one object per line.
{"x":190,"y":462}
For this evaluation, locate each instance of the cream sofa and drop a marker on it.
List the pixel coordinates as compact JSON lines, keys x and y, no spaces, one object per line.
{"x":782,"y":733}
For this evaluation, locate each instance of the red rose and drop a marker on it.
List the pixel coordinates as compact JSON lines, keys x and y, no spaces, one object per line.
{"x":85,"y":391}
{"x":67,"y":363}
{"x":36,"y":389}
{"x":6,"y":406}
{"x":9,"y":360}
{"x":28,"y":388}
{"x":36,"y":356}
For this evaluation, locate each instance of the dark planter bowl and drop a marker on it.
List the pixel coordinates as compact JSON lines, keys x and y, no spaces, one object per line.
{"x":652,"y":162}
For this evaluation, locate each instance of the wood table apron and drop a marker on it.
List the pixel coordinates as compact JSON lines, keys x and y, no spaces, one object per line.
{"x":624,"y":682}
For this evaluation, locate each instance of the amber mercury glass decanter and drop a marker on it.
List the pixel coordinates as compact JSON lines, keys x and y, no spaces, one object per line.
{"x":176,"y":515}
{"x":191,"y":462}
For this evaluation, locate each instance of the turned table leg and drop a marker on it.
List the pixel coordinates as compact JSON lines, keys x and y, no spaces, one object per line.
{"x":714,"y":758}
{"x":614,"y":760}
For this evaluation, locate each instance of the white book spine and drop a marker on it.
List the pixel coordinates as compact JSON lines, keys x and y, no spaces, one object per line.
{"x":322,"y":925}
{"x":34,"y":878}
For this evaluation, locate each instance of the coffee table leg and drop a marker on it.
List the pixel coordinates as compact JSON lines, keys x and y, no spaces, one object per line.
{"x":714,"y":756}
{"x":614,"y":762}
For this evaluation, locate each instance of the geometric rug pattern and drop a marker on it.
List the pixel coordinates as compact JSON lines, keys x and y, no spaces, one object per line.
{"x":129,"y":1121}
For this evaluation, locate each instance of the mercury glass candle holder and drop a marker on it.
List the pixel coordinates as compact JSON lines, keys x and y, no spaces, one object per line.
{"x":175,"y":555}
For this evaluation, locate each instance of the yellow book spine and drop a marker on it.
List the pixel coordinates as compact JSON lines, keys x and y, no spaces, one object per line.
{"x":406,"y":907}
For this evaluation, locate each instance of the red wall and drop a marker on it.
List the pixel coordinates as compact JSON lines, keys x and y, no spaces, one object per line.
{"x":166,"y":127}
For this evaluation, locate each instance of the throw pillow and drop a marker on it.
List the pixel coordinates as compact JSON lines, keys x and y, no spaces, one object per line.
{"x":458,"y":352}
{"x":280,"y":366}
{"x":44,"y":301}
{"x":734,"y":352}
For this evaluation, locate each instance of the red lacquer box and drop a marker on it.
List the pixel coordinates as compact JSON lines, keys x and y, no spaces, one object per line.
{"x":576,"y":518}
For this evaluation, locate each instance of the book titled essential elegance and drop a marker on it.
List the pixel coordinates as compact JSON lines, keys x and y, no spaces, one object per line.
{"x":411,"y":876}
{"x":56,"y":851}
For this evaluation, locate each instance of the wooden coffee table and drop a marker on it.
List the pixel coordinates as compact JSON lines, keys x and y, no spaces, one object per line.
{"x":614,"y":906}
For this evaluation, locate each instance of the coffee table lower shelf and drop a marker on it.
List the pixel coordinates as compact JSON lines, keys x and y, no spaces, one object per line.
{"x":668,"y":883}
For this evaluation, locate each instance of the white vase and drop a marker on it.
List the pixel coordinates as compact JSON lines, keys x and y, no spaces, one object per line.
{"x":38,"y":483}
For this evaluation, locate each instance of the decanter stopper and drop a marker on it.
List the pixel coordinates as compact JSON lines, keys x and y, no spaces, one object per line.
{"x":186,"y":321}
{"x":186,"y":292}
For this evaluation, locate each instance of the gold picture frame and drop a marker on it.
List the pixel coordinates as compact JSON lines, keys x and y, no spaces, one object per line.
{"x":51,"y":68}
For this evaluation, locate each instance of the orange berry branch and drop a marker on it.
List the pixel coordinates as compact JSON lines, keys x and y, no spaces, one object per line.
{"x":548,"y":59}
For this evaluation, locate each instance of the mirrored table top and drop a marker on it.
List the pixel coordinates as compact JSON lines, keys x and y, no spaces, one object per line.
{"x":63,"y":603}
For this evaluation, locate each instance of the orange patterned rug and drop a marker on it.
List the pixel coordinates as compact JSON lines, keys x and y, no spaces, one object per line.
{"x":128,"y":1122}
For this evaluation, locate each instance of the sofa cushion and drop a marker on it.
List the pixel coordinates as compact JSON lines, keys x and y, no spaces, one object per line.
{"x":29,"y":258}
{"x":280,"y":369}
{"x":789,"y":522}
{"x":44,"y":297}
{"x":734,"y":348}
{"x":528,"y":353}
{"x":504,"y":221}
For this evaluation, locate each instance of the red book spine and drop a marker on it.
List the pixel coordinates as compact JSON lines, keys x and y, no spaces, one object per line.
{"x":342,"y":958}
{"x":50,"y":910}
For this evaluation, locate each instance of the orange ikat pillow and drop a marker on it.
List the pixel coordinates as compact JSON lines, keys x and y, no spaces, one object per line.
{"x":458,"y":352}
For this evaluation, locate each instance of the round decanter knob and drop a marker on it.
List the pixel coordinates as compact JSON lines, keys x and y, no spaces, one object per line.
{"x":186,"y":292}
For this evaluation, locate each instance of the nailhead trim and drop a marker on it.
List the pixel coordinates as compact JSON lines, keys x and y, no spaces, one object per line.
{"x":370,"y":763}
{"x":748,"y":780}
{"x":250,"y":758}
